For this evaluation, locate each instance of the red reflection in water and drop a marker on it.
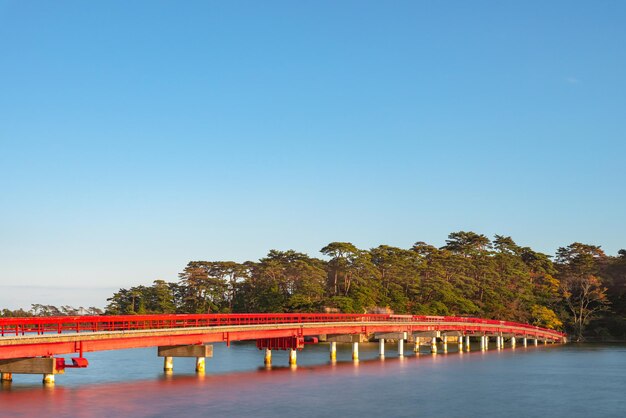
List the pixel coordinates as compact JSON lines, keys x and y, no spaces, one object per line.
{"x":235,"y":393}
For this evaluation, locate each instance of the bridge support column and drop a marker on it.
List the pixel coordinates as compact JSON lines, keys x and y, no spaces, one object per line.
{"x":200,"y":364}
{"x":486,"y":343}
{"x":513,"y":342}
{"x":268,"y":356}
{"x":460,"y":343}
{"x":386,"y":336}
{"x":545,"y":342}
{"x":168,"y":364}
{"x":467,"y":343}
{"x":45,"y":366}
{"x":355,"y":351}
{"x":445,"y":343}
{"x":293,"y":357}
{"x":433,"y":345}
{"x":199,"y":351}
{"x":416,"y":347}
{"x":536,"y":342}
{"x":525,"y":342}
{"x":333,"y":351}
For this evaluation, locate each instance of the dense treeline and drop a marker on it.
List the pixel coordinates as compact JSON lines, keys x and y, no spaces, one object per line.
{"x":470,"y":275}
{"x":51,"y":310}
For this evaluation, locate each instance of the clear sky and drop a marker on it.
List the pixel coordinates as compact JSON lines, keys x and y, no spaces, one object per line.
{"x":136,"y":136}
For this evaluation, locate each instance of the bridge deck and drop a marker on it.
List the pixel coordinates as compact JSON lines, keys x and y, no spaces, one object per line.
{"x":33,"y":337}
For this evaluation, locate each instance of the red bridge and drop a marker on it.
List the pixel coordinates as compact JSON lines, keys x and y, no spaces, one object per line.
{"x":28,"y":345}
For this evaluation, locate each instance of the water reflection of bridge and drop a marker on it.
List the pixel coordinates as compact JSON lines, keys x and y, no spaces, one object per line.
{"x":28,"y":345}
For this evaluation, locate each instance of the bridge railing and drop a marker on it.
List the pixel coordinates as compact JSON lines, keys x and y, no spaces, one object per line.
{"x":81,"y":324}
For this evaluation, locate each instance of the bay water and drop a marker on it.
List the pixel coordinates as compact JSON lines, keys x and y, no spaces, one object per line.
{"x":572,"y":380}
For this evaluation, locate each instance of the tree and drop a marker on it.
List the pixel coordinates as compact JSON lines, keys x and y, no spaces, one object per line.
{"x":399,"y":271}
{"x":160,"y":298}
{"x":206,"y":292}
{"x":342,"y":256}
{"x":467,"y":243}
{"x":545,"y":317}
{"x":445,"y":287}
{"x":582,"y":288}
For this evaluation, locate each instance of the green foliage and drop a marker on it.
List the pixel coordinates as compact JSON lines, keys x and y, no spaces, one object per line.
{"x":158,"y":298}
{"x":50,"y":310}
{"x":470,"y":275}
{"x":8,"y":313}
{"x":342,"y":304}
{"x":545,"y":317}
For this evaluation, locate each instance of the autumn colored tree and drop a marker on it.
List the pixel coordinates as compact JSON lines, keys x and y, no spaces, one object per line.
{"x":581,"y":286}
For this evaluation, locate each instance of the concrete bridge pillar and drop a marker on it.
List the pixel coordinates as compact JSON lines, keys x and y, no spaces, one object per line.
{"x":498,"y":342}
{"x":445,"y":343}
{"x":268,"y":356}
{"x":536,"y":342}
{"x":293,"y":357}
{"x":333,"y":351}
{"x":467,"y":343}
{"x":353,"y":339}
{"x":398,"y":336}
{"x":525,"y":342}
{"x":168,"y":364}
{"x":513,"y":342}
{"x":433,"y":345}
{"x":460,"y":343}
{"x":200,"y":364}
{"x":545,"y":342}
{"x":45,"y":366}
{"x":416,"y":347}
{"x":486,"y":342}
{"x":196,"y":351}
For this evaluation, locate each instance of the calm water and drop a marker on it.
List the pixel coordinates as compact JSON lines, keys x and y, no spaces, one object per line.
{"x":555,"y":381}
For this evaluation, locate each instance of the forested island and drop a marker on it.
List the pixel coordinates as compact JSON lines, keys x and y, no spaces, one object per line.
{"x":580,"y":290}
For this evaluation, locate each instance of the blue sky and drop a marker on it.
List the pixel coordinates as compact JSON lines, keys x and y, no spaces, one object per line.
{"x":136,"y":136}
